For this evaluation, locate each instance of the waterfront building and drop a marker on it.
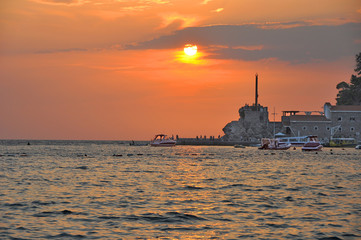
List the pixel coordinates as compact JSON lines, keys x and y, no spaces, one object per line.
{"x":295,"y":124}
{"x":345,"y":119}
{"x":334,"y":123}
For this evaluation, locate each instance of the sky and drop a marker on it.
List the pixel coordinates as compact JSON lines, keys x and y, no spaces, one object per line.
{"x":116,"y":69}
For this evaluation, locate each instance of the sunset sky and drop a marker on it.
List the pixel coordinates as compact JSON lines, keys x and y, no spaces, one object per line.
{"x":116,"y":70}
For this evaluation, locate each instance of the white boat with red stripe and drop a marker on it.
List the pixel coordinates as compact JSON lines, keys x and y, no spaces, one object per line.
{"x":312,"y":144}
{"x":162,"y":140}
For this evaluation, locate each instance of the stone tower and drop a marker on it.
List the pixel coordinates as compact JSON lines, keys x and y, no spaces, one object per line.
{"x":252,"y":124}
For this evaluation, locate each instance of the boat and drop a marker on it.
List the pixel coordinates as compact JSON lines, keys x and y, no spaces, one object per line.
{"x":161,"y":140}
{"x":273,"y":144}
{"x":294,"y":141}
{"x":358,"y":147}
{"x":312,"y":144}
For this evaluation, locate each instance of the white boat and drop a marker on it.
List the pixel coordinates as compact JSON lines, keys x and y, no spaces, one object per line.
{"x":273,"y":144}
{"x":162,"y":140}
{"x":312,"y":144}
{"x":358,"y":147}
{"x":294,"y":141}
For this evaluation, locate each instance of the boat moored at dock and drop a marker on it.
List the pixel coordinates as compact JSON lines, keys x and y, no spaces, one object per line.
{"x":294,"y":141}
{"x":312,"y":144}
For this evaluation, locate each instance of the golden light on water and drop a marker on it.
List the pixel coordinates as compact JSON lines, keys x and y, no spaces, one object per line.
{"x":190,"y":49}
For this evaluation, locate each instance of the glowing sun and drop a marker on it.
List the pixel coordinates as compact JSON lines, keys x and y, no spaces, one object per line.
{"x":190,"y":49}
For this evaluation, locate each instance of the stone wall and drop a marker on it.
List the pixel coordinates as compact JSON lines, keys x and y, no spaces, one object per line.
{"x":348,"y":124}
{"x":321,"y":129}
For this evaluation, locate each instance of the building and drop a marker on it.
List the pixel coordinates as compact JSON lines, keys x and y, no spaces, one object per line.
{"x":308,"y":123}
{"x":334,"y":123}
{"x":345,"y":119}
{"x":252,"y":125}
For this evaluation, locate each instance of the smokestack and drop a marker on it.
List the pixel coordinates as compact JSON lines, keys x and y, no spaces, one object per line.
{"x":256,"y":101}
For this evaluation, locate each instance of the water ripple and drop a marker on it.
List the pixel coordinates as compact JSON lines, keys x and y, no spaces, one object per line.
{"x":92,"y":190}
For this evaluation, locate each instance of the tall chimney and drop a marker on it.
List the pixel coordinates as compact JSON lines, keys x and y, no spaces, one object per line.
{"x":256,"y":101}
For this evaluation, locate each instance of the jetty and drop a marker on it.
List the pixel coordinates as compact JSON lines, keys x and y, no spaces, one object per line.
{"x":212,"y":142}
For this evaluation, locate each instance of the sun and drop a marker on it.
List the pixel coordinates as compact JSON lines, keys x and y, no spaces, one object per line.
{"x":190,"y":49}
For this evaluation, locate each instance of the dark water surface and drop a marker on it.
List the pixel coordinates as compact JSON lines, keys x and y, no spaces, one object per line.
{"x":79,"y":190}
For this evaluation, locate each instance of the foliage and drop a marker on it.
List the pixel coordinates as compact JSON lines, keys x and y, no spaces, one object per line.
{"x":350,"y":93}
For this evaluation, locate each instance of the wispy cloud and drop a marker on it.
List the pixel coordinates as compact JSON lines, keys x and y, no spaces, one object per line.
{"x":62,"y":2}
{"x":134,"y":3}
{"x":218,"y":10}
{"x":49,"y":51}
{"x":206,"y":1}
{"x":170,"y":18}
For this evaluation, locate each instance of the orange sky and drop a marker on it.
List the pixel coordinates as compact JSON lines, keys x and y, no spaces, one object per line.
{"x":76,"y":69}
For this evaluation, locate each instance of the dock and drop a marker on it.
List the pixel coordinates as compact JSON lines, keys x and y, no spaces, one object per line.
{"x":212,"y":142}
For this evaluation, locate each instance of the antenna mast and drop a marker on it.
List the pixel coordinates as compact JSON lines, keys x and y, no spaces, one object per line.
{"x":256,"y":96}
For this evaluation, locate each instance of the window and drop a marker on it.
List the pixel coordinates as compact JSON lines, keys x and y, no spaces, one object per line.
{"x":339,"y":119}
{"x":352,"y":119}
{"x":352,"y":129}
{"x":328,"y":128}
{"x":316,"y":128}
{"x":304,"y":128}
{"x":340,"y":129}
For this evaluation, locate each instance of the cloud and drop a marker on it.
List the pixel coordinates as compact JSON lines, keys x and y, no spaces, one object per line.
{"x":218,"y":10}
{"x":62,"y":2}
{"x":291,"y":42}
{"x":49,"y":51}
{"x":206,"y":1}
{"x":133,"y":3}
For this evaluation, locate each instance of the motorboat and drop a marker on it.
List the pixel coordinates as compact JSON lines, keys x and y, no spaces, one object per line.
{"x":312,"y":144}
{"x":295,"y":141}
{"x":162,"y":140}
{"x":273,"y":144}
{"x":358,"y":147}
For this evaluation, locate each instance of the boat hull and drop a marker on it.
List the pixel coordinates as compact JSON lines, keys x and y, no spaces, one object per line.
{"x":162,"y":144}
{"x":312,"y":148}
{"x":273,"y":144}
{"x":282,"y":147}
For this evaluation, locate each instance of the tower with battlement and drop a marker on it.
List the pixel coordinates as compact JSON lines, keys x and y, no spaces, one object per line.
{"x":253,"y":123}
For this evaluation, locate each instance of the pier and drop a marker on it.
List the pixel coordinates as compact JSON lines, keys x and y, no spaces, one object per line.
{"x":212,"y":142}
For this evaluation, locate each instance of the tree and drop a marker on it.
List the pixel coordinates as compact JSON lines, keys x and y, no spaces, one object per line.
{"x":350,"y":93}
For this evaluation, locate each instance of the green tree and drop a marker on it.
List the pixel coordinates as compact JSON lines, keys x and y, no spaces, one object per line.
{"x":350,"y":93}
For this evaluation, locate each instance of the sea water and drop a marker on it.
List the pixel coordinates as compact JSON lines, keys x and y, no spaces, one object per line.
{"x":110,"y":190}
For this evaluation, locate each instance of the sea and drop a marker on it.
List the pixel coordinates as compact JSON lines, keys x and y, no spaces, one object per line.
{"x":114,"y":190}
